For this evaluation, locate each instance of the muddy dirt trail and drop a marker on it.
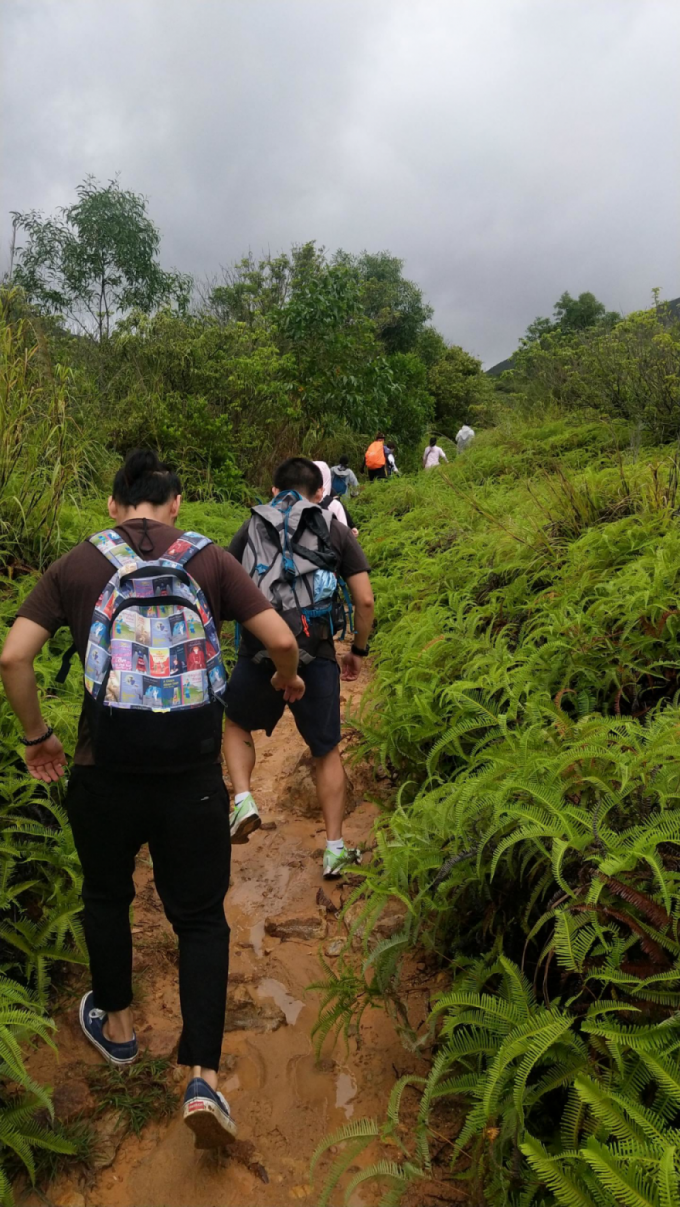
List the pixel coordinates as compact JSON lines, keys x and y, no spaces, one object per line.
{"x":283,"y":1101}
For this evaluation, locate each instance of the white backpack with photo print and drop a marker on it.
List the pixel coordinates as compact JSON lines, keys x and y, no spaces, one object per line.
{"x":154,"y":676}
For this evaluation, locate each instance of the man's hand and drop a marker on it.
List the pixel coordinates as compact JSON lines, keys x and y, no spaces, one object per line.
{"x":46,"y":762}
{"x":351,"y":666}
{"x":362,"y":597}
{"x":293,"y":689}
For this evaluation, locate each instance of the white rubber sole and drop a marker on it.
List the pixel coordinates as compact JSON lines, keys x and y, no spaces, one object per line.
{"x":331,"y":875}
{"x":207,"y":1121}
{"x":247,"y":826}
{"x":112,"y":1060}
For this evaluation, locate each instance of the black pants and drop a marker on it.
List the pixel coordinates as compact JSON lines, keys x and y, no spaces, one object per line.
{"x":377,"y":473}
{"x":185,"y":820}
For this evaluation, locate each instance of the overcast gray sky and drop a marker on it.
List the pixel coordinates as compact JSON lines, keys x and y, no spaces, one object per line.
{"x":505,"y":149}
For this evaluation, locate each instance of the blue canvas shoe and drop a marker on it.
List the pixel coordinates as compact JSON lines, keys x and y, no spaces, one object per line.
{"x":206,"y":1113}
{"x":92,"y":1022}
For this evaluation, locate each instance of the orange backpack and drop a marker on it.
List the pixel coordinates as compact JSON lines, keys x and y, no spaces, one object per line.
{"x":375,"y":455}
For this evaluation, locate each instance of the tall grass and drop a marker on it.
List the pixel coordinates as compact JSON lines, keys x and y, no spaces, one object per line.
{"x":44,"y":454}
{"x":527,"y":697}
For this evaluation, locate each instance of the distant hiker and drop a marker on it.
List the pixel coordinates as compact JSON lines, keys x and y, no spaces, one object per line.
{"x":343,"y":480}
{"x":464,"y":437}
{"x":433,"y":454}
{"x":375,"y":458}
{"x":147,"y":762}
{"x":271,"y":546}
{"x":336,"y":507}
{"x":391,"y":463}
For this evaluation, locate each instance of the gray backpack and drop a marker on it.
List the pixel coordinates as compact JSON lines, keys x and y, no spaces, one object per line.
{"x":289,"y":556}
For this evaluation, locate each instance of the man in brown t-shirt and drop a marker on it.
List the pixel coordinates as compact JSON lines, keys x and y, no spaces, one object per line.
{"x":183,"y":813}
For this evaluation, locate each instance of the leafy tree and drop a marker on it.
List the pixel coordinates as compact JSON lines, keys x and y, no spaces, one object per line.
{"x":393,"y":303}
{"x":214,"y":399}
{"x":578,"y":314}
{"x":259,"y":289}
{"x":95,"y":260}
{"x":572,"y":315}
{"x":412,"y":409}
{"x":430,"y":346}
{"x":457,"y":384}
{"x":340,"y":367}
{"x":631,"y":370}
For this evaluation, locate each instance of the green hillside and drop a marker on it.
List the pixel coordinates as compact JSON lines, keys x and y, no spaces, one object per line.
{"x":526,"y":701}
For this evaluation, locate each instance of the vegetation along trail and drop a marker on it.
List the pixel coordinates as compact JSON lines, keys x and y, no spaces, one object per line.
{"x":284,"y":1102}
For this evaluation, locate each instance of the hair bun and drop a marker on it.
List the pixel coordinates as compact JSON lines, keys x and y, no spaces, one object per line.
{"x":144,"y":478}
{"x":140,"y":462}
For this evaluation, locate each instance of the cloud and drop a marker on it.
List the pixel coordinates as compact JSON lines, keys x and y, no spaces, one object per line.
{"x":505,"y":149}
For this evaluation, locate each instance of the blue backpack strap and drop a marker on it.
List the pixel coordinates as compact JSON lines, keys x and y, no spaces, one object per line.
{"x":184,"y":547}
{"x":115,"y":550}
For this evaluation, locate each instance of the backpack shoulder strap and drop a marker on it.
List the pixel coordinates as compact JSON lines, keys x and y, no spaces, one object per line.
{"x":317,"y":520}
{"x":183,"y":549}
{"x":119,"y":554}
{"x":115,"y":549}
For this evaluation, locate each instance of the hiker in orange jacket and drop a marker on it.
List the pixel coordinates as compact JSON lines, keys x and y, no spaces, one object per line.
{"x":375,"y":458}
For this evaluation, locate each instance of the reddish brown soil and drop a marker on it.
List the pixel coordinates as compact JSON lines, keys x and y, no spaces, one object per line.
{"x":283,"y":1101}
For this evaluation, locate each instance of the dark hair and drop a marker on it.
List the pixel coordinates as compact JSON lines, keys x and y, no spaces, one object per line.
{"x":298,"y":473}
{"x":433,"y":441}
{"x":144,"y":478}
{"x":391,"y":446}
{"x":380,"y":436}
{"x":344,"y":461}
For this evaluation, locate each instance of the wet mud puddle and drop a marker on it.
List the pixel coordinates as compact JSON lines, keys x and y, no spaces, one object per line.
{"x":283,"y":1100}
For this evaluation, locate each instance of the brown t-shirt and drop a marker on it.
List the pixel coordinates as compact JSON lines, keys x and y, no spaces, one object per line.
{"x":68,"y":591}
{"x":351,"y":560}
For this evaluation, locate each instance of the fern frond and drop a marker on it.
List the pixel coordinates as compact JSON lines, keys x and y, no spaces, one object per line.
{"x":356,"y":1129}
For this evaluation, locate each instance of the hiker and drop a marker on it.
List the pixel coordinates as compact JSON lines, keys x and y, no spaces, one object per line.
{"x":391,"y":463}
{"x":375,"y":458}
{"x":336,"y":507}
{"x":464,"y":437}
{"x":433,"y":454}
{"x":146,"y":768}
{"x":271,"y":546}
{"x":343,"y":480}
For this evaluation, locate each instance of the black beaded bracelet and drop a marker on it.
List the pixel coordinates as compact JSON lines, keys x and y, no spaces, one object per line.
{"x":359,"y":652}
{"x":36,"y":741}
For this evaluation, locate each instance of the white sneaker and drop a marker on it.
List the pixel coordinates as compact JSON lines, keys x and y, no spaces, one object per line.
{"x":336,"y":864}
{"x":244,"y":819}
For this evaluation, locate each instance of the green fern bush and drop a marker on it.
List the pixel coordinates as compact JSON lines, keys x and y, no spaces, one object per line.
{"x":526,"y":693}
{"x":39,"y":916}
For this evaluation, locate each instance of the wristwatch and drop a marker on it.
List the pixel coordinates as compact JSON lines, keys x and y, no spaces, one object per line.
{"x":359,"y":652}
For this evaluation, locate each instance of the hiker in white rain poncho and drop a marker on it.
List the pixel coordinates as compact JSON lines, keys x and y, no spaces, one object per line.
{"x":464,"y":437}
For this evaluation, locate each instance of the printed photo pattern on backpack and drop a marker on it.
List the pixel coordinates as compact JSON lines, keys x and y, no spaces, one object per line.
{"x":161,"y":655}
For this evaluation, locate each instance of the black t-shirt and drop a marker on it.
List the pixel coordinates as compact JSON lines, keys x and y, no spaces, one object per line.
{"x":351,"y":560}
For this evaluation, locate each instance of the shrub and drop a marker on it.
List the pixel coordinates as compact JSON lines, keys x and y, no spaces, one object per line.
{"x":526,"y":694}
